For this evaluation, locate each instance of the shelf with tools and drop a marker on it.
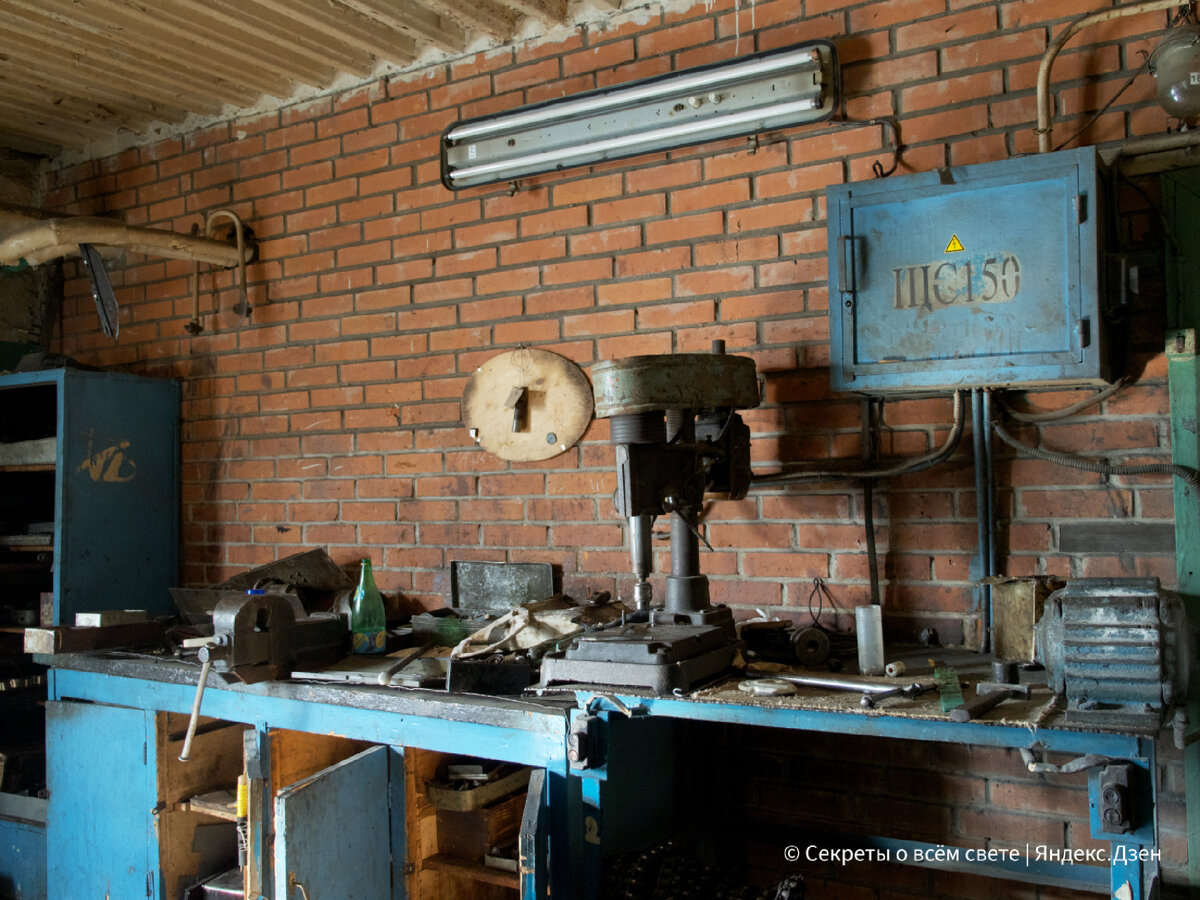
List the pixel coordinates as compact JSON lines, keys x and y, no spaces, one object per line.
{"x":464,"y":820}
{"x":341,"y":779}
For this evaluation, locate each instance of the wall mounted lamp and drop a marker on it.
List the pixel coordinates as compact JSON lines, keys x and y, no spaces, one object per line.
{"x":1175,"y":63}
{"x":776,"y":89}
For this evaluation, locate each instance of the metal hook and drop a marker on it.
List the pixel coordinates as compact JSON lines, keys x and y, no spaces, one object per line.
{"x":243,"y":305}
{"x":887,"y":125}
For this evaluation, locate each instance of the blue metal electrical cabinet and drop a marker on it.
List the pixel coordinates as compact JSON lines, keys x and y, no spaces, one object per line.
{"x":980,"y":276}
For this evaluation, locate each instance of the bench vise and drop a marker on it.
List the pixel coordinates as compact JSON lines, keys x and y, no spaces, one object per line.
{"x":262,"y":636}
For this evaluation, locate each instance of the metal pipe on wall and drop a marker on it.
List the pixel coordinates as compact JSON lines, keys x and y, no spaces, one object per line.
{"x":985,"y":520}
{"x":1044,"y":126}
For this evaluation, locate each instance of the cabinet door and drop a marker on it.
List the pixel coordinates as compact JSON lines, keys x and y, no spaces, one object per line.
{"x":100,"y":833}
{"x":332,"y":833}
{"x":118,"y":508}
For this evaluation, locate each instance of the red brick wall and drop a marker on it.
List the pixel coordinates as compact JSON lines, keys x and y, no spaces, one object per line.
{"x":333,"y":419}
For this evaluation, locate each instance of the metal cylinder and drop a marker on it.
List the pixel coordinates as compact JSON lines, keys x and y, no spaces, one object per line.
{"x":638,"y":428}
{"x":681,"y":420}
{"x":1004,"y":671}
{"x":674,"y":381}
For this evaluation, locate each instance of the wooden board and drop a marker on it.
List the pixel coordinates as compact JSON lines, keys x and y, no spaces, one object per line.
{"x":71,"y":639}
{"x":39,"y":453}
{"x":474,"y":871}
{"x":296,"y":755}
{"x":558,"y":405}
{"x":219,"y":804}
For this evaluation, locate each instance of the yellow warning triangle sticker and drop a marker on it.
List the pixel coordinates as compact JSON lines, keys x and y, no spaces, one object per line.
{"x":955,"y":245}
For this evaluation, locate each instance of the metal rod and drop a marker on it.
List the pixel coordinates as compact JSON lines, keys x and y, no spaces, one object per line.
{"x":989,"y":489}
{"x":385,"y":677}
{"x":186,"y":753}
{"x":1044,"y":126}
{"x":978,"y":427}
{"x":834,"y":684}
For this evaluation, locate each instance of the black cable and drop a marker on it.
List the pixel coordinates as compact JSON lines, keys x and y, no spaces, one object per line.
{"x":1055,"y":415}
{"x":904,"y":468}
{"x":1188,"y":475}
{"x":1092,"y":121}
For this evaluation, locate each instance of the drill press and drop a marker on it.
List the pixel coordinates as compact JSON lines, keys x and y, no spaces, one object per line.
{"x":679,"y":442}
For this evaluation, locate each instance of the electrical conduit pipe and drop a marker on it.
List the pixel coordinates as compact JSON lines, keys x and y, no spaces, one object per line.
{"x":1044,"y":126}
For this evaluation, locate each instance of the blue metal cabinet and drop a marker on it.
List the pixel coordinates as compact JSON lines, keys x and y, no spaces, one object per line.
{"x":979,"y":276}
{"x":100,"y":831}
{"x":110,"y":491}
{"x":114,"y":485}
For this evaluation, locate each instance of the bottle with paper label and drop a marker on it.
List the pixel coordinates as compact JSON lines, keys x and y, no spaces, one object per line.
{"x":368,"y":622}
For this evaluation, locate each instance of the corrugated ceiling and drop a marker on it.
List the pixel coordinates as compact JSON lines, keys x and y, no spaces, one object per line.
{"x":73,"y":72}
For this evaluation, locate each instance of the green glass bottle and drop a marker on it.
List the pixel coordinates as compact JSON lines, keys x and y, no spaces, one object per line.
{"x":368,"y":622}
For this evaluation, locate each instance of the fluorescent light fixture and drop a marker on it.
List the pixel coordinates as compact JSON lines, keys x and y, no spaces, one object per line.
{"x":771,"y":90}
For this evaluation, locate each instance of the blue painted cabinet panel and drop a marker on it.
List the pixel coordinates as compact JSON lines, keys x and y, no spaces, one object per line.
{"x":100,"y":832}
{"x":118,"y":520}
{"x":332,"y":832}
{"x":975,"y":276}
{"x":23,"y":848}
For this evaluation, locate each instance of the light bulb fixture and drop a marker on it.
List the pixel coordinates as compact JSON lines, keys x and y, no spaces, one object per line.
{"x":1175,"y":63}
{"x":771,"y":90}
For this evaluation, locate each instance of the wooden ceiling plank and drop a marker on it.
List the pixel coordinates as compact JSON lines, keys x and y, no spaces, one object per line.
{"x":411,"y":19}
{"x":481,"y":15}
{"x":106,"y":30}
{"x":355,"y":29}
{"x":316,"y":39}
{"x":548,"y":12}
{"x":77,"y":47}
{"x":80,"y":70}
{"x":225,"y":36}
{"x":43,"y":121}
{"x":20,"y":136}
{"x":96,"y":108}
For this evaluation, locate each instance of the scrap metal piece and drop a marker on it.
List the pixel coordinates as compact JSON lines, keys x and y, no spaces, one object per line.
{"x":988,"y":695}
{"x":767,"y":687}
{"x":102,"y":292}
{"x":312,"y":570}
{"x":499,"y":586}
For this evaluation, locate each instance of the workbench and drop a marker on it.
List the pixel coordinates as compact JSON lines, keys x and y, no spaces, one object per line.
{"x":113,"y":713}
